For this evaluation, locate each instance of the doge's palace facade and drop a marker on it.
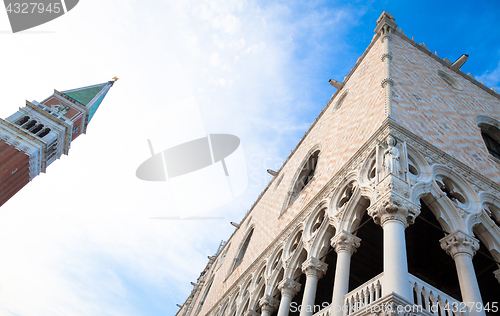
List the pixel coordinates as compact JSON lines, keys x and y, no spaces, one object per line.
{"x":390,"y":204}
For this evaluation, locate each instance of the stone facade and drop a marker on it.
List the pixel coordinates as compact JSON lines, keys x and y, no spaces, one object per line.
{"x":418,"y":141}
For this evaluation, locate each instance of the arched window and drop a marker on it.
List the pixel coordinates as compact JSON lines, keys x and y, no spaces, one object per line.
{"x":223,"y":256}
{"x":490,"y":132}
{"x":492,"y":144}
{"x":305,"y":176}
{"x":37,"y":128}
{"x":204,"y":296}
{"x":22,"y":120}
{"x":29,"y":125}
{"x":44,"y":132}
{"x":242,"y":250}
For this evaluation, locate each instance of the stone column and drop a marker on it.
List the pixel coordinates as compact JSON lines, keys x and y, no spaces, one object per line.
{"x":314,"y":269}
{"x":462,"y":248}
{"x":268,"y":305}
{"x":288,"y":288}
{"x":251,"y":312}
{"x":345,"y":244}
{"x":395,"y":214}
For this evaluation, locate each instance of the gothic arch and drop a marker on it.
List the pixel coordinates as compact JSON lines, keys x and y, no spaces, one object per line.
{"x":272,"y":284}
{"x":261,"y":273}
{"x":437,"y":194}
{"x":275,"y":271}
{"x":310,"y":227}
{"x":335,"y":211}
{"x":484,"y":227}
{"x":294,"y":266}
{"x":320,"y":243}
{"x":351,"y":208}
{"x":258,"y":289}
{"x":423,"y":171}
{"x":242,"y":248}
{"x":294,"y":242}
{"x":307,"y":162}
{"x":490,"y":134}
{"x":244,"y":291}
{"x":488,"y":233}
{"x":275,"y":260}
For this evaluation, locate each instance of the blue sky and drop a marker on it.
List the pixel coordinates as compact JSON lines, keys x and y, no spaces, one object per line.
{"x":79,"y":240}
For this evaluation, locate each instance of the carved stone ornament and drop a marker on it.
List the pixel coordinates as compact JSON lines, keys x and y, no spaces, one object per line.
{"x":268,"y":303}
{"x":497,"y":275}
{"x":394,"y":207}
{"x":345,"y":241}
{"x":392,"y":157}
{"x":289,"y":287}
{"x":314,"y":267}
{"x":251,"y":312}
{"x":459,"y":242}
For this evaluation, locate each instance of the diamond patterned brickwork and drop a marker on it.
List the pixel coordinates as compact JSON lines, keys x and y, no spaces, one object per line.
{"x":339,"y":134}
{"x":446,"y":117}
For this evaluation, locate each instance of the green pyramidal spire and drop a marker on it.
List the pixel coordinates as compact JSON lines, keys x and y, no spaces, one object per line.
{"x":90,"y":96}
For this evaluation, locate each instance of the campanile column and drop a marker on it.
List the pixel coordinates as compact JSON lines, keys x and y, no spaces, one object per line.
{"x":314,"y":269}
{"x":462,"y":247}
{"x":345,"y":244}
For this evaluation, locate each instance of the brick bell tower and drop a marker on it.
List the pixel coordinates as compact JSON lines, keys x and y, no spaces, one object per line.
{"x":39,"y":133}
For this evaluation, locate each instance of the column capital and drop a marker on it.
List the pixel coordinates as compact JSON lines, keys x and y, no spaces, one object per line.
{"x":344,"y":241}
{"x":393,"y":207}
{"x":268,"y":303}
{"x":289,"y":287}
{"x":497,"y":275}
{"x":459,"y":242}
{"x":251,"y":312}
{"x":314,"y":267}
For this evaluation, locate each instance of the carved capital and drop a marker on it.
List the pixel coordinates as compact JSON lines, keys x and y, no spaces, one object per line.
{"x":314,"y":267}
{"x":458,"y":243}
{"x":251,"y":312}
{"x":268,"y":303}
{"x":289,"y":287}
{"x":393,"y":207}
{"x":344,"y":241}
{"x":497,"y":275}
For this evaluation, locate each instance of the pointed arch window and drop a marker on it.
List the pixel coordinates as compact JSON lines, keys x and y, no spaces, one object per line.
{"x":490,"y":132}
{"x":205,"y":294}
{"x":305,"y":176}
{"x":492,"y":144}
{"x":242,"y":250}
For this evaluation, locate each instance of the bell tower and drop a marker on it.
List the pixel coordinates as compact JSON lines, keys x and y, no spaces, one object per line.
{"x":39,"y":133}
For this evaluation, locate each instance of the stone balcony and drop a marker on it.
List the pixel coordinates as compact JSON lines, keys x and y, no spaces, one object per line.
{"x":427,"y":300}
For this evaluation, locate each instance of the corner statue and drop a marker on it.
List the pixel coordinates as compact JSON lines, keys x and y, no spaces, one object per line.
{"x":391,"y":157}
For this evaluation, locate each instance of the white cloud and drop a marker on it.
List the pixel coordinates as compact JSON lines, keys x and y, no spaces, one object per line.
{"x":78,"y":240}
{"x":491,"y":78}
